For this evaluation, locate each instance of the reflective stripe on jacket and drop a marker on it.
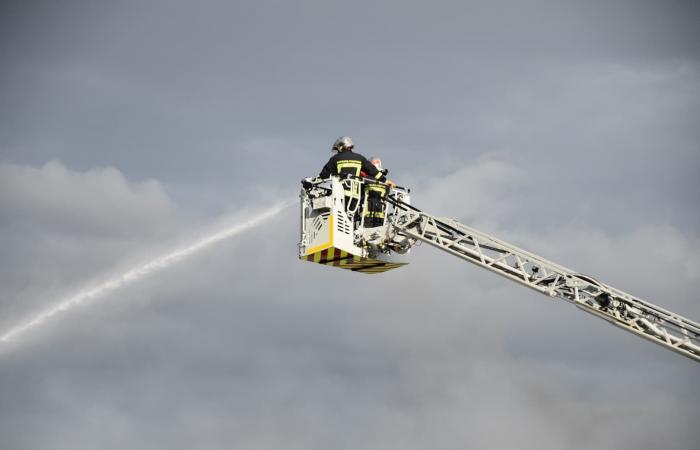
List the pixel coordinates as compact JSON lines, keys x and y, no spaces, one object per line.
{"x":349,"y":163}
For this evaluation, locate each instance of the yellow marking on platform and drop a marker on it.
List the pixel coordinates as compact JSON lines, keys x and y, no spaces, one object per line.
{"x":327,"y":244}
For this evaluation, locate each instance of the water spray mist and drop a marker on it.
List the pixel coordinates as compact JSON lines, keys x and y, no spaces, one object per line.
{"x":140,"y":272}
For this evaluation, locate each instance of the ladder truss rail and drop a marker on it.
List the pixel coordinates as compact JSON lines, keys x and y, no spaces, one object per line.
{"x":642,"y":318}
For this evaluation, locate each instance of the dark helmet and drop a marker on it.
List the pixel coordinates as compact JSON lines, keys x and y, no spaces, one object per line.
{"x":343,"y":144}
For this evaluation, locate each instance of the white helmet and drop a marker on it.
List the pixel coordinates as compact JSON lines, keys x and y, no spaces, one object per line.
{"x":343,"y":144}
{"x":377,"y":162}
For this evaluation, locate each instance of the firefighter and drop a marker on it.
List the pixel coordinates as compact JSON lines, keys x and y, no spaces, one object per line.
{"x":376,"y":198}
{"x":345,"y":162}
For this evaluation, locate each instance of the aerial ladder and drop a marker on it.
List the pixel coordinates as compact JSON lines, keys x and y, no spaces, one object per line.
{"x":333,"y":233}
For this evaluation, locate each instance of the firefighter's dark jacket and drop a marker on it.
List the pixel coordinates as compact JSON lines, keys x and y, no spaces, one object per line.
{"x":347,"y":162}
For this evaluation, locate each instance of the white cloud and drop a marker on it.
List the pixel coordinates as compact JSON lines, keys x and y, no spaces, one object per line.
{"x":244,"y":345}
{"x":485,"y":191}
{"x":60,"y":228}
{"x":98,"y":201}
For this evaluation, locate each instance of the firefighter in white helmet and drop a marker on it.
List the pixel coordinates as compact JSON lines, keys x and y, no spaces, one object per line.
{"x":345,"y":162}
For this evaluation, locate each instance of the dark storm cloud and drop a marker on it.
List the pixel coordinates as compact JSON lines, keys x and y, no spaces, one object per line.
{"x":178,"y":92}
{"x":569,"y":128}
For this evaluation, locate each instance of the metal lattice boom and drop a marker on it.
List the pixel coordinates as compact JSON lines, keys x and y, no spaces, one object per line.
{"x":644,"y":319}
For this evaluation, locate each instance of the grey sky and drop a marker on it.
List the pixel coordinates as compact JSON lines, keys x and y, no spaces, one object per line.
{"x":127,"y":128}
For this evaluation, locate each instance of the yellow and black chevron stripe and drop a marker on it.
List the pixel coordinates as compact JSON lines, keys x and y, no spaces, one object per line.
{"x":344,"y":260}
